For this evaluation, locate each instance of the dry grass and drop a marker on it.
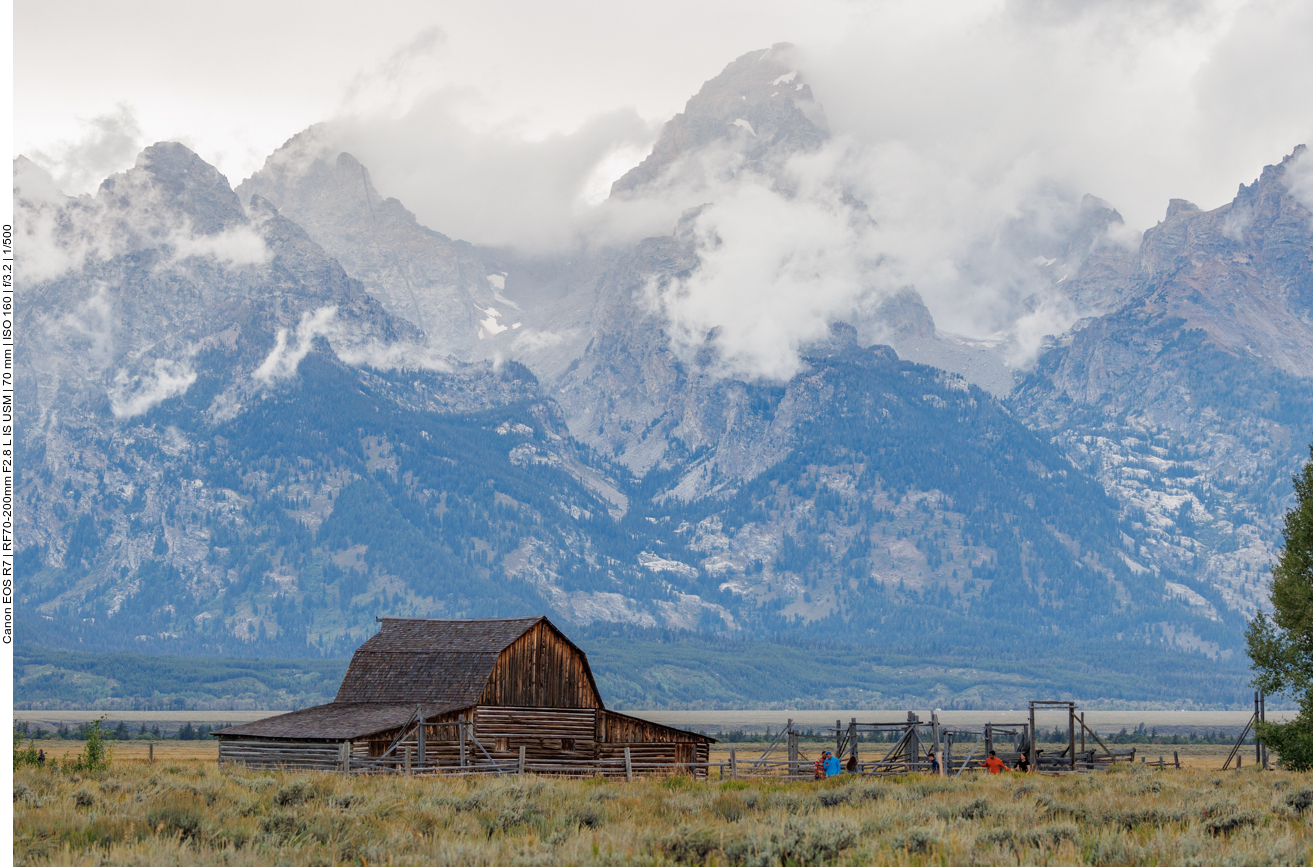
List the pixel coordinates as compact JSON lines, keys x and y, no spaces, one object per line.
{"x":137,"y":814}
{"x":185,"y":752}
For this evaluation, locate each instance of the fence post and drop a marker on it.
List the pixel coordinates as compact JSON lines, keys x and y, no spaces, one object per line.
{"x":521,"y":771}
{"x":150,"y":748}
{"x":407,"y":755}
{"x":733,"y":765}
{"x":1262,"y":717}
{"x":1034,"y":754}
{"x":345,"y":754}
{"x":629,"y":765}
{"x":462,"y":742}
{"x":793,"y":752}
{"x":420,"y":753}
{"x":934,"y":733}
{"x":1176,"y":758}
{"x":1071,"y":733}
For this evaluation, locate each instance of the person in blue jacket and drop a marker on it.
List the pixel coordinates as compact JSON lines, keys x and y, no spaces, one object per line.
{"x":833,"y":767}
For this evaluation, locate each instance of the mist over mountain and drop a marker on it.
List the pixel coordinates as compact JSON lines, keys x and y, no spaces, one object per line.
{"x":258,"y":417}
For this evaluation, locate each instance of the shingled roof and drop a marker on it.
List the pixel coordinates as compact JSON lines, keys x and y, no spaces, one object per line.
{"x":336,"y":721}
{"x":442,"y":665}
{"x":445,"y":662}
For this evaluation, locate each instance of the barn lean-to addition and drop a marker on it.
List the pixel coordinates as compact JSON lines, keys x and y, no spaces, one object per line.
{"x":488,"y":692}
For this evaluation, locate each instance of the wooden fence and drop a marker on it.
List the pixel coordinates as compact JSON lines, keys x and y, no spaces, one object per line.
{"x":904,"y":747}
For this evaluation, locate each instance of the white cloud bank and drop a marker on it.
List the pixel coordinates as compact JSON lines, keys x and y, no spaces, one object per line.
{"x":62,"y":233}
{"x":292,"y":346}
{"x":966,"y":131}
{"x":134,"y":395}
{"x":966,"y":135}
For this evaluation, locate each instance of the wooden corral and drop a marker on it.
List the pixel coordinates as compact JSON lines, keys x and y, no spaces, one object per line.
{"x":465,"y":696}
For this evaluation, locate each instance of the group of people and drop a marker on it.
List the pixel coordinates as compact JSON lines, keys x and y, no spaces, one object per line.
{"x":828,"y":765}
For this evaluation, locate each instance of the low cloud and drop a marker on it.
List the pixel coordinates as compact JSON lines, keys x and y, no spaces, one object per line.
{"x":492,"y":185}
{"x":288,"y":351}
{"x":110,"y":143}
{"x":134,"y":395}
{"x":965,"y":136}
{"x":239,"y":245}
{"x":292,"y":346}
{"x":62,"y":234}
{"x":775,"y":271}
{"x":1299,"y":179}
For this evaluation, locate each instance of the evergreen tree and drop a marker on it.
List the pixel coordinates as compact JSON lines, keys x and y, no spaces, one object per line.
{"x":1281,"y":647}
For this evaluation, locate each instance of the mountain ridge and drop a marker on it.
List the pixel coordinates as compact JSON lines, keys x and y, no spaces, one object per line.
{"x":286,"y":441}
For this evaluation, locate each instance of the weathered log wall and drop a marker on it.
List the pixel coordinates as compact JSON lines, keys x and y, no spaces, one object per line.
{"x":298,"y":755}
{"x":541,"y":669}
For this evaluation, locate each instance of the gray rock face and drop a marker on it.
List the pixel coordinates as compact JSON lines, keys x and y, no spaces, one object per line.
{"x":1191,"y":400}
{"x":758,"y":108}
{"x":446,"y":288}
{"x":161,"y":323}
{"x":164,"y":264}
{"x":177,"y":449}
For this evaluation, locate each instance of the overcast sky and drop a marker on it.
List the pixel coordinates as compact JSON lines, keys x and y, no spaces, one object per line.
{"x":504,"y":121}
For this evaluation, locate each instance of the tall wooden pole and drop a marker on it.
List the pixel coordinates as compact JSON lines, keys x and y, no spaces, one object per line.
{"x":1071,"y":733}
{"x":793,"y":752}
{"x":1258,"y":748}
{"x":1034,"y":756}
{"x":1262,"y":717}
{"x":419,"y":712}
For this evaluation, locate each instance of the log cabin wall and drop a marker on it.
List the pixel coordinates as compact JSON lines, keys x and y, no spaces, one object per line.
{"x":292,"y":755}
{"x":617,"y":728}
{"x":541,"y":669}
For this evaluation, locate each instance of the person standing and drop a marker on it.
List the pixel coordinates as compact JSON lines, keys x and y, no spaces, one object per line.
{"x":833,"y":767}
{"x":40,"y":758}
{"x":1023,"y":763}
{"x":994,"y":763}
{"x":819,"y":769}
{"x":934,"y":763}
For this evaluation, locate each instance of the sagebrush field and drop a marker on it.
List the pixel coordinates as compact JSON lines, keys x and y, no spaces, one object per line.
{"x":137,"y":814}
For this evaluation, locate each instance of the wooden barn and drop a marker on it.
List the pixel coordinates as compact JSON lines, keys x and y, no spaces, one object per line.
{"x":495,"y":695}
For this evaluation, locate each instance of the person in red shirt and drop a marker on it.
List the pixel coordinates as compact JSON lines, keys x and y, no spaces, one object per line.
{"x":994,"y":763}
{"x":819,"y":769}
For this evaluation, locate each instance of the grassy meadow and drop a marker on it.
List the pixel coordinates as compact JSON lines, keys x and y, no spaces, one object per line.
{"x":186,"y":811}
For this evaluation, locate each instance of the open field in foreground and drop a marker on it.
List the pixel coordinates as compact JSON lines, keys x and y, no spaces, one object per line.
{"x":190,"y":813}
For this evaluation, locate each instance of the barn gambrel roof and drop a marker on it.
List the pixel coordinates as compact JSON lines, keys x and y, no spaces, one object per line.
{"x":438,"y":665}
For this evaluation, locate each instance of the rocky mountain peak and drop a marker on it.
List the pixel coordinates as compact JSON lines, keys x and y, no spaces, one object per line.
{"x":186,"y":183}
{"x":1177,"y":207}
{"x":441,"y":286}
{"x":758,"y":105}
